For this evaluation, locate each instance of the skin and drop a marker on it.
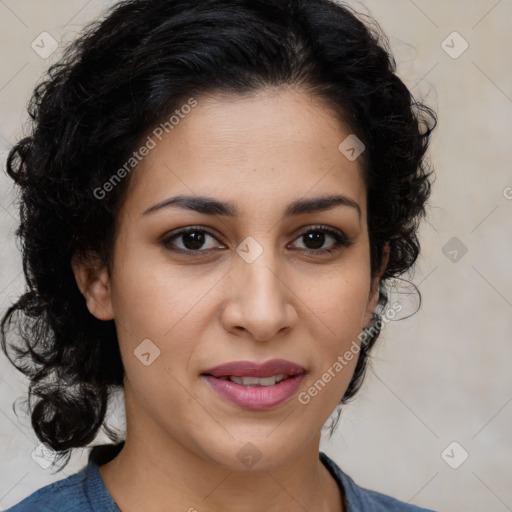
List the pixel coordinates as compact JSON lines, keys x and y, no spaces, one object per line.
{"x":261,"y":152}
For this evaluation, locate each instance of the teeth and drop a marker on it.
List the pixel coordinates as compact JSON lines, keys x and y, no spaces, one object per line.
{"x":255,"y":381}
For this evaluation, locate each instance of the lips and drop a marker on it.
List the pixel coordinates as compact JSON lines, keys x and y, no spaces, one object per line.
{"x":255,"y":386}
{"x":255,"y":369}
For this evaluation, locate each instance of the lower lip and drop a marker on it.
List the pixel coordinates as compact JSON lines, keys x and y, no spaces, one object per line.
{"x":257,"y":397}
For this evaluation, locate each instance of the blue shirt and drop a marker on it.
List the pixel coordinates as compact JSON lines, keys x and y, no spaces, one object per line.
{"x":85,"y":491}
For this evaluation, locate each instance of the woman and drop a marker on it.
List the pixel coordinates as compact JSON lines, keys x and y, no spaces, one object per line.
{"x":214,"y":194}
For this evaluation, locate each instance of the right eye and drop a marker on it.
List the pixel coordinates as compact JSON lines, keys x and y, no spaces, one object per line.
{"x":192,"y":239}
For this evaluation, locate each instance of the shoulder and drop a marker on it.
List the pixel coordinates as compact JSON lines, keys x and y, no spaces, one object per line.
{"x":64,"y":495}
{"x":83,"y":491}
{"x":359,"y":499}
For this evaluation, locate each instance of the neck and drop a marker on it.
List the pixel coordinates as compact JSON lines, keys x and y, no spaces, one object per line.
{"x":153,"y":471}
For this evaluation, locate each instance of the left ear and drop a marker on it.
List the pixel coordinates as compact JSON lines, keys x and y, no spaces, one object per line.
{"x":373,"y":298}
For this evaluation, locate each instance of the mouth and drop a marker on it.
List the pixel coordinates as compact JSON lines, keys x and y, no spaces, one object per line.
{"x":256,"y":381}
{"x":252,"y":385}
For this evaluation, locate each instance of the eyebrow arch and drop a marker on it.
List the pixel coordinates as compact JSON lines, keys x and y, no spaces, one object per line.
{"x":211,"y":206}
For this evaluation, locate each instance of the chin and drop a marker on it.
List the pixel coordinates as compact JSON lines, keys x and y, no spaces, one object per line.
{"x":256,"y":452}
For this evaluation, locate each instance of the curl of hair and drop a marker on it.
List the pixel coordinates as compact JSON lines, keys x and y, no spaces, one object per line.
{"x":114,"y":84}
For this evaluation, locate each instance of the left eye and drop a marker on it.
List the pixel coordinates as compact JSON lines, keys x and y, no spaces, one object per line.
{"x":193,"y":240}
{"x":316,"y":237}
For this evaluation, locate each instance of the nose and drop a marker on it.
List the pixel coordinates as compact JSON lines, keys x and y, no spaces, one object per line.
{"x":260,"y":301}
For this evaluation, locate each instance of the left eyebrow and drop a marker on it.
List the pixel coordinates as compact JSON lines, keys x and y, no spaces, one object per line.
{"x":212,"y":206}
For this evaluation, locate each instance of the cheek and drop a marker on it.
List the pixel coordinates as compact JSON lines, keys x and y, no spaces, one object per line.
{"x":149,"y":297}
{"x":164,"y":304}
{"x":342,"y":299}
{"x":341,"y":304}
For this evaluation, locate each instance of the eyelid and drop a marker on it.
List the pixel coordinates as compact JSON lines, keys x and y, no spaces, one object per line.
{"x":320,"y":227}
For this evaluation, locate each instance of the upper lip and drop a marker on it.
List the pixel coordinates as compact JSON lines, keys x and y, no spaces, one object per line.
{"x":255,"y":369}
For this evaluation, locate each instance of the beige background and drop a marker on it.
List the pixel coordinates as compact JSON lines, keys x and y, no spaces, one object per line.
{"x":438,"y":377}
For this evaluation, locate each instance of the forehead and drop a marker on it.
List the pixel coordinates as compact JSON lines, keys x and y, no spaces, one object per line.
{"x":263,"y":148}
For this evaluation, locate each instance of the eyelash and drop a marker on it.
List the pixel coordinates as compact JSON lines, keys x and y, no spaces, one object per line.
{"x":341,"y":241}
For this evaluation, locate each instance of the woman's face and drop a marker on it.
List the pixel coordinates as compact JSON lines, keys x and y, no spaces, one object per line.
{"x":258,"y":282}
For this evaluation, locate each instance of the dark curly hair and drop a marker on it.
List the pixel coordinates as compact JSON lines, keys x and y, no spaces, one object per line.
{"x":122,"y":77}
